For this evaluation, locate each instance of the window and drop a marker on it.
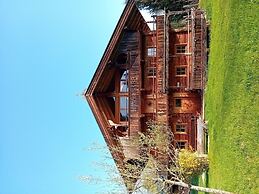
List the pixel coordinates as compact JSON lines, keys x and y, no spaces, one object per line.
{"x":180,"y":128}
{"x":178,"y":102}
{"x":181,"y":144}
{"x":117,"y":99}
{"x":180,"y":49}
{"x":124,"y":113}
{"x":151,"y":52}
{"x":124,"y":82}
{"x":151,"y":71}
{"x":180,"y":70}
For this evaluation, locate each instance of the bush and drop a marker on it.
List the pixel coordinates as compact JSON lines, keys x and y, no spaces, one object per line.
{"x":191,"y":164}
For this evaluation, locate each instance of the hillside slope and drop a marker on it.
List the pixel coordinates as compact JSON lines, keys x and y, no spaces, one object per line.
{"x":232,"y":107}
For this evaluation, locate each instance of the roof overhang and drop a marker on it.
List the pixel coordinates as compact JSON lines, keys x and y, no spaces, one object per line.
{"x":131,"y":19}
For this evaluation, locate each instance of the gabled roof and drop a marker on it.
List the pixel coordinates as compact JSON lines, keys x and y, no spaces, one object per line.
{"x":131,"y":19}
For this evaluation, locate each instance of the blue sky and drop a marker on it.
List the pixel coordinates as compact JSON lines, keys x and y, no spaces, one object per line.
{"x":49,"y":50}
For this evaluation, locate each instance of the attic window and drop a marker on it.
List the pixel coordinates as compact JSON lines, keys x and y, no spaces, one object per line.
{"x":124,"y":112}
{"x":180,"y":49}
{"x":117,"y":108}
{"x":124,"y":81}
{"x":151,"y":52}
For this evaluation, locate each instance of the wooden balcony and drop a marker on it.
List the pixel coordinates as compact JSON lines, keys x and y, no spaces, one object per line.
{"x":199,"y":51}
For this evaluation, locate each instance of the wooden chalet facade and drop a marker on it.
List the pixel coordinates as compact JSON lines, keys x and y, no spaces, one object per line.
{"x":147,"y":75}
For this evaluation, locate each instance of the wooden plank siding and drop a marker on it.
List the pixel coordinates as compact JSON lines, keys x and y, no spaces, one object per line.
{"x":199,"y":53}
{"x":103,"y":83}
{"x":162,"y":98}
{"x":163,"y":72}
{"x":135,"y":86}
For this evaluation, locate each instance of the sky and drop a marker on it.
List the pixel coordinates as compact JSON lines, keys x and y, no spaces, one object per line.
{"x":49,"y":50}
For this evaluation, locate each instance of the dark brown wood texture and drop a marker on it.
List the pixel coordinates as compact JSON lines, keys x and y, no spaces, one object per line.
{"x":161,"y":100}
{"x":165,"y":80}
{"x":199,"y":54}
{"x":135,"y":85}
{"x":103,"y":82}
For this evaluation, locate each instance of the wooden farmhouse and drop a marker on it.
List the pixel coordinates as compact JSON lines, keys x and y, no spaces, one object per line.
{"x":145,"y":74}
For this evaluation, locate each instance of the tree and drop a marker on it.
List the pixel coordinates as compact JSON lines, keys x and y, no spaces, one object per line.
{"x":161,"y":167}
{"x":177,"y":10}
{"x":169,"y":5}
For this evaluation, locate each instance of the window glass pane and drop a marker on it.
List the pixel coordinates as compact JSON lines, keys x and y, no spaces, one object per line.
{"x":123,"y":102}
{"x":180,"y":70}
{"x":180,"y":128}
{"x":124,"y":82}
{"x":151,"y":52}
{"x":124,"y":75}
{"x":178,"y":102}
{"x":124,"y":113}
{"x":124,"y":86}
{"x":180,"y":49}
{"x":180,"y":144}
{"x":151,"y":71}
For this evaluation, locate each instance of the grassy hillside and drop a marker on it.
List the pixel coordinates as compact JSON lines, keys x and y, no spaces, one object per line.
{"x":232,"y":106}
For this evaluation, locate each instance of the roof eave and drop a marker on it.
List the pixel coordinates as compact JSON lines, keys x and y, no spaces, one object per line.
{"x":111,"y":45}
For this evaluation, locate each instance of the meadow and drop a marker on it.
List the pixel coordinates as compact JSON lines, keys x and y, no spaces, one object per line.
{"x":232,"y":107}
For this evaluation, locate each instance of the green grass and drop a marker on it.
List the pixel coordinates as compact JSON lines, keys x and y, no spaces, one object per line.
{"x":201,"y":181}
{"x":232,"y":107}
